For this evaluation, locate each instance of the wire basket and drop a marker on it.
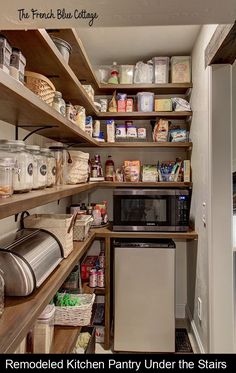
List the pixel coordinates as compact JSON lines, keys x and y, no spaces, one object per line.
{"x":76,"y":315}
{"x":40,"y":85}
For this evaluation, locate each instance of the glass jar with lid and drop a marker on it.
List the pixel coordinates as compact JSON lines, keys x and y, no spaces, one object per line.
{"x":59,"y":104}
{"x":59,"y":154}
{"x":39,"y":167}
{"x":7,"y":166}
{"x":2,"y":288}
{"x":51,"y":167}
{"x":23,"y":177}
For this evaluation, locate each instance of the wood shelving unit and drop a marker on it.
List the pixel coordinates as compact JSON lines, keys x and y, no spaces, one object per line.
{"x":64,"y":339}
{"x":147,"y":115}
{"x":142,"y":144}
{"x":163,"y":89}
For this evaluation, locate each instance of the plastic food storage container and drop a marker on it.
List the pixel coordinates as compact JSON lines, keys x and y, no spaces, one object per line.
{"x":5,"y":54}
{"x":145,"y":101}
{"x":126,"y":74}
{"x":44,"y":331}
{"x":6,"y":177}
{"x":161,"y":69}
{"x":181,"y":69}
{"x":23,"y":177}
{"x":17,"y":65}
{"x":2,"y":288}
{"x":63,"y":47}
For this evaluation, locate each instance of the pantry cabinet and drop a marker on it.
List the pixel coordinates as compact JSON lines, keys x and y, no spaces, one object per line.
{"x":22,"y":108}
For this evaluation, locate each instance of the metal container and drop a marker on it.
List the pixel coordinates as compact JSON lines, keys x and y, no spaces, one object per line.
{"x":27,"y":258}
{"x":63,"y":47}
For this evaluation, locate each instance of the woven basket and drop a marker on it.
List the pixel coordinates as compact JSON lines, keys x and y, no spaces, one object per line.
{"x":41,"y":86}
{"x":76,"y":315}
{"x":57,"y":224}
{"x":81,"y":227}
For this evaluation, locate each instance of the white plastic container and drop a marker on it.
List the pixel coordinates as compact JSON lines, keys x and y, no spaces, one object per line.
{"x":126,"y":74}
{"x":44,"y":331}
{"x":161,"y":69}
{"x":181,"y":69}
{"x":145,"y":101}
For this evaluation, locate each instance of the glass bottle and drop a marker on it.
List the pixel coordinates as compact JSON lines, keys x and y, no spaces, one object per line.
{"x":59,"y":104}
{"x":58,"y":152}
{"x":6,"y":177}
{"x":109,"y":169}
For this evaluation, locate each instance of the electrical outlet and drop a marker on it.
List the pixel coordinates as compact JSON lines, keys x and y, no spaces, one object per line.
{"x":199,"y":308}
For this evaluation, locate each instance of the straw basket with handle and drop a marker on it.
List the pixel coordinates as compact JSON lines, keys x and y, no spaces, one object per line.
{"x":40,"y":85}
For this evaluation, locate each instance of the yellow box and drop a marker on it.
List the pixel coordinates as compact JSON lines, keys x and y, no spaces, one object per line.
{"x":163,"y":104}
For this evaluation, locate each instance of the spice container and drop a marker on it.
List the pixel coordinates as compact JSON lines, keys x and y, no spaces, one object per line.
{"x":39,"y":167}
{"x":59,"y":104}
{"x":5,"y":54}
{"x":2,"y":288}
{"x":6,"y":177}
{"x":17,"y":65}
{"x":23,"y":177}
{"x":51,"y":167}
{"x":44,"y":330}
{"x":58,"y":152}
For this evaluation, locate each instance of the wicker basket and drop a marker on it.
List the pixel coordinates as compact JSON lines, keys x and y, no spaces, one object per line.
{"x":57,"y":224}
{"x":41,"y":86}
{"x":81,"y":227}
{"x":76,"y":315}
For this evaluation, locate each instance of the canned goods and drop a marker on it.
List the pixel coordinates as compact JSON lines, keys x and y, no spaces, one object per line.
{"x":93,"y":278}
{"x":100,"y":278}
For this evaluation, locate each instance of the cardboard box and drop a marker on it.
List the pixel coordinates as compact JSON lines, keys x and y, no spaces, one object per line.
{"x":121,"y":106}
{"x":187,"y":172}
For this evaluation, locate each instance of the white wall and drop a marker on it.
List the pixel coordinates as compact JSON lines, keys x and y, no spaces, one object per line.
{"x":197,"y":252}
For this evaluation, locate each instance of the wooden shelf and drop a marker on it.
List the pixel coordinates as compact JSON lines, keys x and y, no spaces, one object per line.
{"x":21,"y":312}
{"x":21,"y":107}
{"x":18,"y":202}
{"x":64,"y":339}
{"x":169,"y":145}
{"x":108,"y":232}
{"x":162,"y":89}
{"x":111,"y":184}
{"x":89,"y":290}
{"x":42,"y":56}
{"x":146,"y":115}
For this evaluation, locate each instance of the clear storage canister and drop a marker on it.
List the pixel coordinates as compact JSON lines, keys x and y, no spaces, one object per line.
{"x":6,"y":177}
{"x":39,"y":167}
{"x":51,"y":167}
{"x":44,"y":330}
{"x":59,"y":154}
{"x":23,"y":177}
{"x":2,"y":288}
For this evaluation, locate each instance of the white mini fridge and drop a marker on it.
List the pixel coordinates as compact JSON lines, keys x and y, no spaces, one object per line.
{"x":144,"y":295}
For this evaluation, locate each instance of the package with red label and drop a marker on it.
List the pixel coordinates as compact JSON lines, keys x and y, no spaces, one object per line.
{"x":129,"y":105}
{"x":87,"y":265}
{"x":121,"y":102}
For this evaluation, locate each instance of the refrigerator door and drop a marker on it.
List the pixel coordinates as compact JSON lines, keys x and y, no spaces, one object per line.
{"x":144,"y":299}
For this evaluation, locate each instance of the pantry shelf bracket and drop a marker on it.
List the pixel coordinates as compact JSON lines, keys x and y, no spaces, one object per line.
{"x":36,"y":130}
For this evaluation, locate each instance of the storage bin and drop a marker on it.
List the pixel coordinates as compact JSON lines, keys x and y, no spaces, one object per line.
{"x":43,"y":331}
{"x":63,"y":47}
{"x":78,"y":169}
{"x":57,"y":224}
{"x":181,"y":69}
{"x":90,"y":349}
{"x":163,"y":104}
{"x":145,"y":101}
{"x":161,"y":70}
{"x":76,"y":315}
{"x":126,"y":74}
{"x":81,"y":227}
{"x":40,"y":85}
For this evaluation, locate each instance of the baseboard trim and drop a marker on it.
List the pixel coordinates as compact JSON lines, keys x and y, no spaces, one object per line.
{"x":180,"y":312}
{"x":194,"y":330}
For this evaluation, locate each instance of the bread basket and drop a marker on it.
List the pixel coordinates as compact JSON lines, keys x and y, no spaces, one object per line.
{"x":40,"y":85}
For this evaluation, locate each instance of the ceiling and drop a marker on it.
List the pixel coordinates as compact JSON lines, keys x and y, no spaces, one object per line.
{"x":130,"y":44}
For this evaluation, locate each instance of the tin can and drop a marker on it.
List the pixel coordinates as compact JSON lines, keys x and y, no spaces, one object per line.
{"x":93,"y":278}
{"x":101,"y":259}
{"x":100,"y":278}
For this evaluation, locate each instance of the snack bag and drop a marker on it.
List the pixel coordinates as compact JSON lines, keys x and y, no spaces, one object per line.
{"x":160,"y":131}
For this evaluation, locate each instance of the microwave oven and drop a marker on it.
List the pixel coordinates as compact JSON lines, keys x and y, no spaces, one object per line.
{"x":162,"y":210}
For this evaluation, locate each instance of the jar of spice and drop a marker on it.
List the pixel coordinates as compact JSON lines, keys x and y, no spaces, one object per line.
{"x":23,"y":177}
{"x":51,"y":166}
{"x":6,"y":177}
{"x":59,"y":104}
{"x":39,"y":167}
{"x":2,"y":288}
